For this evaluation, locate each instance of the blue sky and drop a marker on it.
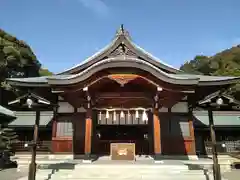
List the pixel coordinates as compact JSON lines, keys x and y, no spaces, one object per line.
{"x":62,"y":33}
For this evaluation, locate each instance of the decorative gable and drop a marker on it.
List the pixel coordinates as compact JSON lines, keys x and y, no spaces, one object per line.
{"x":122,"y":50}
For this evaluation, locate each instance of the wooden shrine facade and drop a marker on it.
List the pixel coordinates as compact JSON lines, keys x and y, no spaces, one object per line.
{"x":124,"y":94}
{"x":136,"y":105}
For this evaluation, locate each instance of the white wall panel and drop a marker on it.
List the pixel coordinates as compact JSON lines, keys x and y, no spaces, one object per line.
{"x":163,"y":109}
{"x":81,"y":109}
{"x":180,"y":107}
{"x":65,"y":107}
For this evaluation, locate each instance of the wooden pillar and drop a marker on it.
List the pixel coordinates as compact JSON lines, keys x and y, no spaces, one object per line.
{"x":54,"y":127}
{"x":216,"y":166}
{"x":156,"y":129}
{"x":88,"y":130}
{"x":33,"y":165}
{"x":191,"y":129}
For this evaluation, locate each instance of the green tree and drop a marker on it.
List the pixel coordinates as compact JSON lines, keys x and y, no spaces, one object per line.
{"x":225,"y":63}
{"x":17,"y":59}
{"x":45,"y":72}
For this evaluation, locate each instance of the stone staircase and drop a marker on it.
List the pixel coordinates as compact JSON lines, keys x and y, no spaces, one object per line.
{"x":123,"y":171}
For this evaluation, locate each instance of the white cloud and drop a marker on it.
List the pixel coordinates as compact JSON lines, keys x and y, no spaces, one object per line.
{"x":98,"y":6}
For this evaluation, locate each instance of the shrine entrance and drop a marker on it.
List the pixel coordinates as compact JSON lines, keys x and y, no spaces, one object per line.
{"x":121,"y":115}
{"x":123,"y":126}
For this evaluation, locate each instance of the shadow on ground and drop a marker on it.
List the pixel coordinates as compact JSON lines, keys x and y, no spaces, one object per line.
{"x":199,"y":167}
{"x":56,"y":167}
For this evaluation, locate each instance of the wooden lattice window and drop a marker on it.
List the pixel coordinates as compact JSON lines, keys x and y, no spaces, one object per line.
{"x":64,"y":127}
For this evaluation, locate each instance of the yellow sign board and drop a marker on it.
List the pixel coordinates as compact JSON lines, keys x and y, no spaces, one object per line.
{"x":123,"y":151}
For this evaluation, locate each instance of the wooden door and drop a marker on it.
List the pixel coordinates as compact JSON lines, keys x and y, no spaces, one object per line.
{"x":79,"y":134}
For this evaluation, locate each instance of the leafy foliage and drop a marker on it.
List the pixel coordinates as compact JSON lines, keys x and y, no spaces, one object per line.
{"x":225,"y":63}
{"x":17,"y":59}
{"x":7,"y":138}
{"x":45,"y":72}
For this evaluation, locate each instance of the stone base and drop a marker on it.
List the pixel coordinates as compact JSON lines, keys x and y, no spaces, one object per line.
{"x":158,"y":162}
{"x":87,"y":158}
{"x":158,"y":157}
{"x":192,"y":157}
{"x":87,"y":161}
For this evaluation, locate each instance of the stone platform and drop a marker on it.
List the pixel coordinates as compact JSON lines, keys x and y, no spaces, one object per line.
{"x":65,"y":167}
{"x":140,"y":171}
{"x":143,"y":168}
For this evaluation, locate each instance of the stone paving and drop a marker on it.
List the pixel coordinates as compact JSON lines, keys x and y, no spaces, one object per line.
{"x":232,"y":175}
{"x":14,"y":174}
{"x":64,"y":167}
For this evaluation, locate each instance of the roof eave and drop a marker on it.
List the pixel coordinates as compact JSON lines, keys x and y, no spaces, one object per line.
{"x":229,"y":81}
{"x":27,"y":84}
{"x":122,"y":62}
{"x":122,"y":37}
{"x":156,"y":61}
{"x":84,"y":63}
{"x":7,"y":112}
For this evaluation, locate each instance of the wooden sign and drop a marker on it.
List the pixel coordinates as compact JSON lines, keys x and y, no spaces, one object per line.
{"x":123,"y":151}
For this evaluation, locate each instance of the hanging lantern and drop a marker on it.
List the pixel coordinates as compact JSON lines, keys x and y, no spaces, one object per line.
{"x":144,"y":116}
{"x":122,"y":114}
{"x":107,"y":115}
{"x":114,"y":116}
{"x":136,"y":114}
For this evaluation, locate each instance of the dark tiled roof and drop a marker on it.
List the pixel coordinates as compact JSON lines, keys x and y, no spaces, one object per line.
{"x":27,"y":119}
{"x":44,"y":79}
{"x":6,"y":112}
{"x":220,"y":118}
{"x":203,"y":78}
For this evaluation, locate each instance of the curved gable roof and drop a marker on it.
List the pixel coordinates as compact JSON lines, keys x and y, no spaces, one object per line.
{"x":123,"y":62}
{"x":122,"y":38}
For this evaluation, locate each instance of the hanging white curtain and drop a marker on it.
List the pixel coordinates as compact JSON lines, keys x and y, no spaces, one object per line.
{"x":122,"y":114}
{"x":144,"y":116}
{"x":136,"y":114}
{"x":107,"y":114}
{"x":114,"y":116}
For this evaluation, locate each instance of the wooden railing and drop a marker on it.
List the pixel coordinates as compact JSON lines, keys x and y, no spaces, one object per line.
{"x":42,"y":146}
{"x":230,"y":147}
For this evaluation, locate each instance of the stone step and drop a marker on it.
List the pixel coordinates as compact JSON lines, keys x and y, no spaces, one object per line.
{"x":64,"y":171}
{"x":113,"y":175}
{"x":123,"y":176}
{"x":128,"y":178}
{"x":132,"y":178}
{"x":131,"y":166}
{"x":139,"y":172}
{"x":60,"y":175}
{"x":26,"y":161}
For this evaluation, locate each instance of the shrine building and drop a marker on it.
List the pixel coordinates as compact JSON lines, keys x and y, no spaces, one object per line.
{"x":121,"y":94}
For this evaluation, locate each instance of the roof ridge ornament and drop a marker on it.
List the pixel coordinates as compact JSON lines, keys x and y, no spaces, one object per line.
{"x":122,"y":32}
